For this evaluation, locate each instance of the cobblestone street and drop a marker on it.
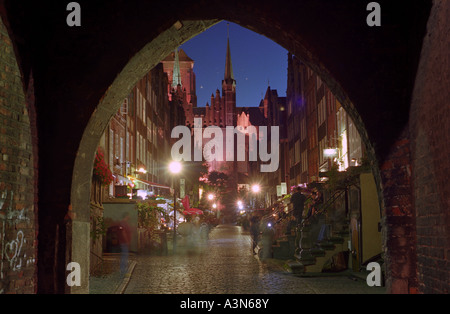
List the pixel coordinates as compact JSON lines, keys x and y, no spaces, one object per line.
{"x":224,"y":264}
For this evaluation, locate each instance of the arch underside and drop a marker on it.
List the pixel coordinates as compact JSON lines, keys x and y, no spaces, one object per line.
{"x":83,"y":74}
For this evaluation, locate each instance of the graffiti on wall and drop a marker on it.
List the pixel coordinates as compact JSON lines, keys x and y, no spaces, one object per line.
{"x":13,"y":256}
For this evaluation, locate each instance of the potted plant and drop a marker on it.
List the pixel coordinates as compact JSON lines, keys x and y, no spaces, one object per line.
{"x":101,"y":171}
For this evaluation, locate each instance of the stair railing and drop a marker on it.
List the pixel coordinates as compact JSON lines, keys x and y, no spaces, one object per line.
{"x":314,"y":229}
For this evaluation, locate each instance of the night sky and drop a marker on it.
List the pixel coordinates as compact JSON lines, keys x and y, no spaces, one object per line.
{"x":256,"y":61}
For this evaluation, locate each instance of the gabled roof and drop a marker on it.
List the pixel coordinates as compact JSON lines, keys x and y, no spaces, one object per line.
{"x":182,"y":56}
{"x":255,"y":114}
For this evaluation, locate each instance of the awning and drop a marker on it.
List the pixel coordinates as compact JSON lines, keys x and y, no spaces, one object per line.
{"x":122,"y":178}
{"x":154,"y":184}
{"x":157,"y":185}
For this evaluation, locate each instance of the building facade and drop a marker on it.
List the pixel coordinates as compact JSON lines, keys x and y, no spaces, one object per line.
{"x":137,"y":141}
{"x":320,"y":132}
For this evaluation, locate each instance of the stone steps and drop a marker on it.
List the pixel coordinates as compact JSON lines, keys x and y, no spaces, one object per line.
{"x":284,"y":248}
{"x":311,"y":261}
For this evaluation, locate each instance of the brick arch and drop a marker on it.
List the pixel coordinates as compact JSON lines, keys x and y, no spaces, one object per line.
{"x":371,"y":70}
{"x":18,"y":173}
{"x":137,"y":67}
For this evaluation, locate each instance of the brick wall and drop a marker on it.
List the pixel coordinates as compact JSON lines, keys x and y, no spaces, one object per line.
{"x":17,"y":185}
{"x":399,"y":218}
{"x":430,"y":132}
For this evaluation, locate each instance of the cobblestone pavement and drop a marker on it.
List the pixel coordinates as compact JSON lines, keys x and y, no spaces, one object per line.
{"x":107,"y":278}
{"x":224,"y":264}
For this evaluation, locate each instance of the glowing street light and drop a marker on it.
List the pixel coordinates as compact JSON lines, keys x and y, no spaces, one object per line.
{"x":256,"y":188}
{"x":175,"y":167}
{"x":210,"y":197}
{"x":214,"y":205}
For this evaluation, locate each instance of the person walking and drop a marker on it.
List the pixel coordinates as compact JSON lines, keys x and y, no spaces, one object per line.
{"x":298,"y":202}
{"x":124,"y":242}
{"x":254,"y":230}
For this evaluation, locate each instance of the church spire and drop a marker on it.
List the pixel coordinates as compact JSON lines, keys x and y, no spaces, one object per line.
{"x":228,"y":66}
{"x":176,"y":77}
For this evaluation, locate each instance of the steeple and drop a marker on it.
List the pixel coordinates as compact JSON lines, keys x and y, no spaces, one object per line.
{"x":229,"y":89}
{"x":176,"y":77}
{"x":228,"y":66}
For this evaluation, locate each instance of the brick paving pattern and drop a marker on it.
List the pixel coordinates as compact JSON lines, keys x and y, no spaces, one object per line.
{"x":224,"y":264}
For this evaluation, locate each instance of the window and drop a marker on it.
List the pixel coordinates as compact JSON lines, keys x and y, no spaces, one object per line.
{"x":141,"y":138}
{"x":127,"y":153}
{"x":149,"y":164}
{"x":322,"y":145}
{"x":304,"y":157}
{"x":318,"y":82}
{"x":290,"y":131}
{"x":138,"y":146}
{"x":292,"y":157}
{"x":297,"y":151}
{"x":124,"y":107}
{"x":144,"y":103}
{"x":133,"y":148}
{"x":116,"y":146}
{"x":303,"y":129}
{"x":121,"y":151}
{"x":322,"y":111}
{"x":111,"y":148}
{"x":296,"y":129}
{"x":149,"y":129}
{"x":138,"y":105}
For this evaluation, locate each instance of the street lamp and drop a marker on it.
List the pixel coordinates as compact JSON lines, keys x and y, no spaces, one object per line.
{"x":256,"y":188}
{"x":175,"y":168}
{"x":210,"y":197}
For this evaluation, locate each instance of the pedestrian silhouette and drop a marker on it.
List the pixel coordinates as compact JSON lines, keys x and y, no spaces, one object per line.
{"x":298,"y":202}
{"x":254,"y":230}
{"x":124,"y":242}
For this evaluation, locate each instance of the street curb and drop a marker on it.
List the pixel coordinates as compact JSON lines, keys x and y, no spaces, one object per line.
{"x":126,"y":279}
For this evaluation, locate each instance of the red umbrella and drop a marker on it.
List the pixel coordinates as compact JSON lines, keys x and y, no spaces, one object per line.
{"x":188,"y":209}
{"x":193,"y":211}
{"x":185,"y":202}
{"x":196,"y":211}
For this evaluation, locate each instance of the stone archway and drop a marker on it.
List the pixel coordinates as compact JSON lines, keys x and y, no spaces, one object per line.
{"x":74,"y":69}
{"x":136,"y":68}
